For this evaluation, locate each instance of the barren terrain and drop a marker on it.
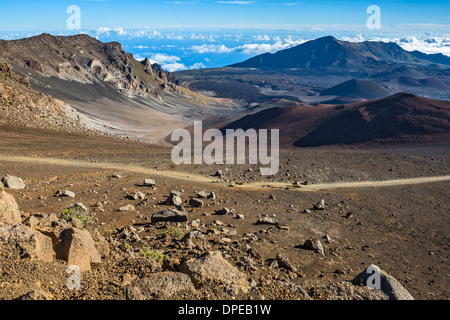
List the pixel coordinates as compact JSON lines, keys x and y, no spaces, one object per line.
{"x":386,"y":207}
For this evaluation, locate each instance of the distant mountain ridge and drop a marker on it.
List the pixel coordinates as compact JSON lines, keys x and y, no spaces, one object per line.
{"x":328,"y":52}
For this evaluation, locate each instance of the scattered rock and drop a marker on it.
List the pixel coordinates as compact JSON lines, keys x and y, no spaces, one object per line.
{"x":149,"y":183}
{"x":174,"y":199}
{"x":77,"y":247}
{"x":9,"y":210}
{"x":128,"y":207}
{"x":206,"y":194}
{"x":320,"y":205}
{"x":314,"y":244}
{"x":169,"y":215}
{"x":284,"y":262}
{"x":388,"y":284}
{"x":159,"y":286}
{"x":67,"y":193}
{"x":267,"y":220}
{"x":138,"y":196}
{"x":30,"y":243}
{"x":12,"y":182}
{"x":212,"y":266}
{"x":196,"y":202}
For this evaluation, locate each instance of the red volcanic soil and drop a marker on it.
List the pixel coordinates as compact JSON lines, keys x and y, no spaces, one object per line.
{"x":398,"y":119}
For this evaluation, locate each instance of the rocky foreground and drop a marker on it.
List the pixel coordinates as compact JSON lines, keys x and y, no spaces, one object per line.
{"x":167,"y":257}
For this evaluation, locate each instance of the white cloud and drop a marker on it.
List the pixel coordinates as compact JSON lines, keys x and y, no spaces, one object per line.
{"x":248,"y":48}
{"x":263,"y":37}
{"x":162,"y":58}
{"x":197,"y":65}
{"x":172,"y":67}
{"x":411,"y":43}
{"x":211,"y":48}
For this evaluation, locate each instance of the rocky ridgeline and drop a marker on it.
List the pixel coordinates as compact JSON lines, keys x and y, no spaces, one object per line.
{"x":169,"y":257}
{"x":23,"y":106}
{"x":87,"y":60}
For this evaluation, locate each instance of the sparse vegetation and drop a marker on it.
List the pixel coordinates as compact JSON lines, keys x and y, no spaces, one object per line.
{"x":175,"y":232}
{"x":78,"y":212}
{"x":153,"y":254}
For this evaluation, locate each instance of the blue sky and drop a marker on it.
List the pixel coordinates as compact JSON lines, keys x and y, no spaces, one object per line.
{"x":36,"y":15}
{"x":186,"y":34}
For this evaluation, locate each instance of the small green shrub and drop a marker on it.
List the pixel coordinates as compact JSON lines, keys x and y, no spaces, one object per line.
{"x":79,"y":213}
{"x":175,"y":232}
{"x":153,"y":254}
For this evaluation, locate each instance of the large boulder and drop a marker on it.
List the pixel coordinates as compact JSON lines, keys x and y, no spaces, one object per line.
{"x":211,"y":266}
{"x":388,"y":284}
{"x":77,"y":247}
{"x":12,"y":182}
{"x":28,"y":242}
{"x":9,"y":210}
{"x":159,"y":286}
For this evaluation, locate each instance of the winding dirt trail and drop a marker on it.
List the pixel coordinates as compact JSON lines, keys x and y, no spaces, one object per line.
{"x":204,"y":179}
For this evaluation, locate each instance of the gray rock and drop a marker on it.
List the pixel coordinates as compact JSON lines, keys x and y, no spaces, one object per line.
{"x":388,"y":284}
{"x":12,"y":182}
{"x":320,"y":205}
{"x":160,"y":286}
{"x":267,"y":220}
{"x":196,"y":202}
{"x":128,"y":207}
{"x":174,"y":199}
{"x":67,"y":193}
{"x":284,"y":262}
{"x":149,"y":183}
{"x":212,"y":266}
{"x":138,"y":196}
{"x":314,"y":244}
{"x":172,"y":215}
{"x":206,"y":194}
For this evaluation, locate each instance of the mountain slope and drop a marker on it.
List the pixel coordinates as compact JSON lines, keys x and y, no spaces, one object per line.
{"x":329,"y":52}
{"x":113,"y":91}
{"x":354,"y":88}
{"x":84,"y":59}
{"x":22,"y":106}
{"x":401,"y":118}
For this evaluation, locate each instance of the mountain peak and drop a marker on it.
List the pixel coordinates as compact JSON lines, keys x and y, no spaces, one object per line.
{"x":329,"y":52}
